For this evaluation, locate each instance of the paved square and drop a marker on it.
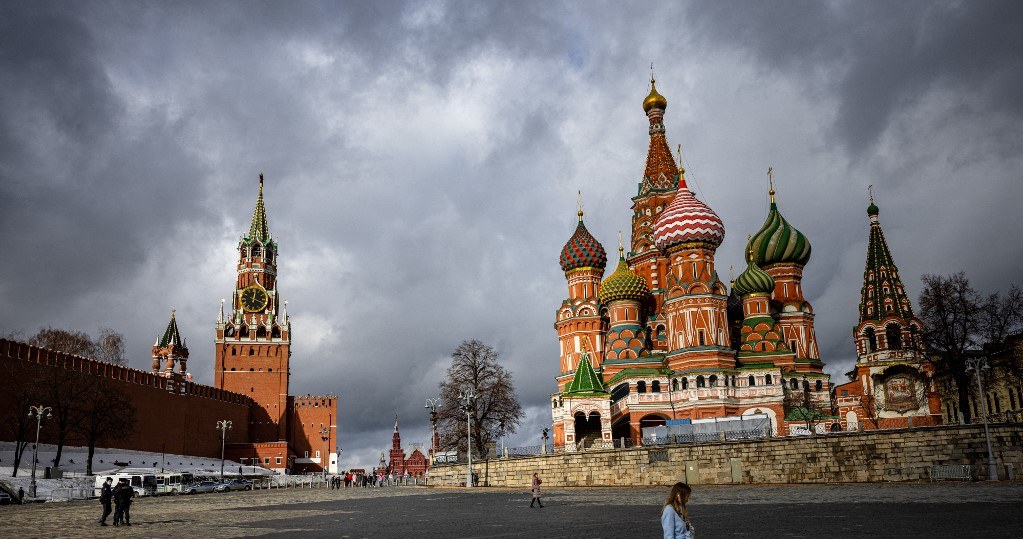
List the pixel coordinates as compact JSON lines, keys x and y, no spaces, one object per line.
{"x":850,"y":510}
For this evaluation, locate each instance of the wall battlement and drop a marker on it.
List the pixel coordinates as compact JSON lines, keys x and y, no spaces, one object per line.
{"x":13,"y":350}
{"x":314,"y":401}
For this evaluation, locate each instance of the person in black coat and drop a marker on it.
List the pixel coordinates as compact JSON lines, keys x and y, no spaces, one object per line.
{"x":123,"y":493}
{"x":106,"y":493}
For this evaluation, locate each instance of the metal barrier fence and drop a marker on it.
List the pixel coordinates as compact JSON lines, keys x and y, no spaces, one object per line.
{"x":66,"y":494}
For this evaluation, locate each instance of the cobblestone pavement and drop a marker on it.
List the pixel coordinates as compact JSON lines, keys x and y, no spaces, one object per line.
{"x":846,"y":510}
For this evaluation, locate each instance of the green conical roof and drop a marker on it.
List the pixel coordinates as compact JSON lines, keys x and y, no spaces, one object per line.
{"x":586,"y":381}
{"x":171,"y":335}
{"x":259,"y":229}
{"x":779,"y":242}
{"x":883,"y":294}
{"x":623,"y":283}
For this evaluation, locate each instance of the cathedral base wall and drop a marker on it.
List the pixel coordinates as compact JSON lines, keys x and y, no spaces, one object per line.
{"x":857,"y":457}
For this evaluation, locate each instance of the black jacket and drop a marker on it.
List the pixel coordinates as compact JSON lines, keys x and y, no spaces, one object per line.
{"x":105,"y":493}
{"x":123,"y":494}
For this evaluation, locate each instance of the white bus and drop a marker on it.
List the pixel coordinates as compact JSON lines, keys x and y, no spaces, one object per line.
{"x":172,"y":483}
{"x":143,"y":482}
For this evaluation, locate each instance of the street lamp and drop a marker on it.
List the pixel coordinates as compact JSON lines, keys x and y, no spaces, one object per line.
{"x":223,"y":425}
{"x":325,"y":436}
{"x":431,"y":405}
{"x":545,"y":433}
{"x":467,"y":396}
{"x":975,"y":365}
{"x":38,"y":412}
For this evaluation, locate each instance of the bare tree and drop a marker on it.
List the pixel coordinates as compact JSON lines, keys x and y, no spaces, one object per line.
{"x":110,"y":346}
{"x":800,"y":405}
{"x":496,"y":409}
{"x":957,"y":320}
{"x":106,"y":415}
{"x":17,"y":425}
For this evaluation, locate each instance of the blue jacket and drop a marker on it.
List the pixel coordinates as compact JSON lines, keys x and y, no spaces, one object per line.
{"x":673,"y":525}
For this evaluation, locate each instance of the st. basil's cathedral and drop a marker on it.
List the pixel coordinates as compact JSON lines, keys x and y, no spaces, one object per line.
{"x":663,"y":339}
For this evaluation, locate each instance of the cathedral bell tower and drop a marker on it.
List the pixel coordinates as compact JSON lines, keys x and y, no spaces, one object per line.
{"x":171,"y":350}
{"x":253,"y":343}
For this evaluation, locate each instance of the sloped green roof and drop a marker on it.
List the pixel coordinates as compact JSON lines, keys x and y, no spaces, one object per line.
{"x":259,"y":229}
{"x":586,"y":380}
{"x":626,"y":373}
{"x":171,"y":335}
{"x":882,"y":284}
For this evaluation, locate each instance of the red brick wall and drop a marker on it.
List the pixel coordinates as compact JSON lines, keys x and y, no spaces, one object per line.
{"x":309,"y":414}
{"x":180,"y":424}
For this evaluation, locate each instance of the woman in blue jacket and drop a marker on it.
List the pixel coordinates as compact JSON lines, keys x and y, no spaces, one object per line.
{"x":674,"y":516}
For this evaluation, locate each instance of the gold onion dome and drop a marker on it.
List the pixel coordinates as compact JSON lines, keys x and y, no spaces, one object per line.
{"x":753,"y":281}
{"x":623,"y":284}
{"x":778,"y":242}
{"x":654,"y":100}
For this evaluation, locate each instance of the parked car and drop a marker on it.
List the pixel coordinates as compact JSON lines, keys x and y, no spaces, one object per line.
{"x":5,"y":499}
{"x":200,"y":488}
{"x":233,"y":484}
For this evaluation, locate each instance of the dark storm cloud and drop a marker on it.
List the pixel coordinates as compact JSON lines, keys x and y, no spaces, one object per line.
{"x":422,"y":161}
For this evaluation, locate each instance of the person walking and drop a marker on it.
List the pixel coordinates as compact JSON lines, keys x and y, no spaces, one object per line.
{"x":106,"y":493}
{"x":123,"y":493}
{"x":21,"y":496}
{"x":536,"y":490}
{"x":674,"y":515}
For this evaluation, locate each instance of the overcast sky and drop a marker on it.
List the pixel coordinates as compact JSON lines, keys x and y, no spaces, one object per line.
{"x":422,"y":162}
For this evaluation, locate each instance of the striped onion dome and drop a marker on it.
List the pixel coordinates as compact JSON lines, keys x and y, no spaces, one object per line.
{"x":582,"y":250}
{"x":779,"y":242}
{"x":687,"y":220}
{"x":753,"y":281}
{"x":623,"y":284}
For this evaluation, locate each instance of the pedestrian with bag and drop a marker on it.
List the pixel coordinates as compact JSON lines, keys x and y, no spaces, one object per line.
{"x":674,"y":515}
{"x":106,"y":494}
{"x":536,"y":490}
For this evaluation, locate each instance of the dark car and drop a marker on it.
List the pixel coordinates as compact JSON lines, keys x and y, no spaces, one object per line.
{"x":233,"y":484}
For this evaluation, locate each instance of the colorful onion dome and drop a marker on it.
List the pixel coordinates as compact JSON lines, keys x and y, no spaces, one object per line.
{"x":779,"y":242}
{"x":582,"y":250}
{"x":753,"y":281}
{"x":623,"y":283}
{"x":654,"y":100}
{"x":687,"y":220}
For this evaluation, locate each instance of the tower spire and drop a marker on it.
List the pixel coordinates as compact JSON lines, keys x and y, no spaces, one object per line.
{"x":259,"y":230}
{"x":883,"y":294}
{"x":579,"y":201}
{"x":660,"y":172}
{"x":770,"y":181}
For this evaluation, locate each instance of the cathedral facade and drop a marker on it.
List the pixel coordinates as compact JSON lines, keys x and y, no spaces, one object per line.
{"x":663,"y":339}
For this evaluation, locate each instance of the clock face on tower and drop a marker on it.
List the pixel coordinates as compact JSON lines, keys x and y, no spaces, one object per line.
{"x":253,"y":299}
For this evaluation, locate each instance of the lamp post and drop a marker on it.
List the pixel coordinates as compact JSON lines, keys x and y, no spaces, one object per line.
{"x":223,"y":425}
{"x":431,"y":405}
{"x":545,"y":433}
{"x":974,"y":366}
{"x":325,"y":436}
{"x":467,"y":397}
{"x":38,"y":412}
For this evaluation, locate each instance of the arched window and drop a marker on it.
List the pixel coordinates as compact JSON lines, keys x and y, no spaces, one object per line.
{"x":234,"y":351}
{"x":893,"y":336}
{"x":685,"y":383}
{"x":700,"y":382}
{"x":255,"y":250}
{"x":655,"y":386}
{"x":229,"y":332}
{"x":793,"y":383}
{"x":752,"y":381}
{"x":713,"y":380}
{"x":818,"y":386}
{"x":767,"y":379}
{"x":641,"y":387}
{"x":674,"y":386}
{"x":252,"y":351}
{"x":702,"y":339}
{"x":871,"y":340}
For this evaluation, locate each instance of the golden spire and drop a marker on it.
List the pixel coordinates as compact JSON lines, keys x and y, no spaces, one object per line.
{"x":770,"y":181}
{"x":172,"y":312}
{"x":579,"y":201}
{"x":749,"y":248}
{"x":621,"y":249}
{"x":681,"y":169}
{"x":870,"y":191}
{"x":654,"y":99}
{"x":731,"y":274}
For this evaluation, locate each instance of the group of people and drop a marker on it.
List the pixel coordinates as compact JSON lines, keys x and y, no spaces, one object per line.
{"x":120,"y":495}
{"x":352,"y":480}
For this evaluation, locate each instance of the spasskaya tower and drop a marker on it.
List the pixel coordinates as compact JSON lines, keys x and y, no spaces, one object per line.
{"x":253,"y":344}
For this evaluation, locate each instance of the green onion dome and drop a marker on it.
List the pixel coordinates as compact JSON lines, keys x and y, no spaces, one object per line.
{"x":753,"y":281}
{"x":779,"y":242}
{"x":623,"y":284}
{"x":872,"y":209}
{"x":582,"y":250}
